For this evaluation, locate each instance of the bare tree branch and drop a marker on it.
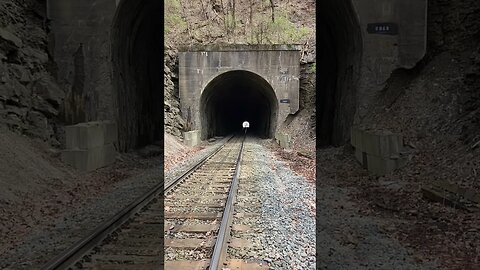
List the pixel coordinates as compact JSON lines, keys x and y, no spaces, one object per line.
{"x":273,"y":10}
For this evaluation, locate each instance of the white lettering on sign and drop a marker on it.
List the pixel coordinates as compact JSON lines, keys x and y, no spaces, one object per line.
{"x":382,"y":28}
{"x":284,"y":78}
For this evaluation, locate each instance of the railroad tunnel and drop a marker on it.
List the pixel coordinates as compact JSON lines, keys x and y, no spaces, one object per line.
{"x":137,"y":60}
{"x":234,"y":97}
{"x":339,"y":59}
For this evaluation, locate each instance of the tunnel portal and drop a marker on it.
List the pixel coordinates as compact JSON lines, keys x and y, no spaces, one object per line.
{"x":220,"y":86}
{"x":354,"y":63}
{"x":137,"y":58}
{"x":234,"y":97}
{"x":339,"y":57}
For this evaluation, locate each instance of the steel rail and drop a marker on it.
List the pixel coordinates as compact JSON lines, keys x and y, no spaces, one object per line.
{"x":172,"y":184}
{"x":80,"y":248}
{"x":221,"y":243}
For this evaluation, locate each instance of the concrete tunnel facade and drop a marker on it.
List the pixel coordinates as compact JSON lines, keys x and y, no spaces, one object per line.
{"x":222,"y":86}
{"x":108,"y":54}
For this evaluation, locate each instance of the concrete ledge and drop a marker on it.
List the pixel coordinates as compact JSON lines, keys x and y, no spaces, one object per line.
{"x":383,"y":144}
{"x":240,"y":47}
{"x":382,"y":166}
{"x":362,"y":158}
{"x":192,"y":138}
{"x":90,"y":134}
{"x":283,"y":139}
{"x":90,"y":159}
{"x":110,"y":132}
{"x":378,"y":152}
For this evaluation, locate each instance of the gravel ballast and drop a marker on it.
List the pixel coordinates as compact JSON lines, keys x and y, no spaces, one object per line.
{"x":186,"y":164}
{"x":279,"y":208}
{"x":283,"y":224}
{"x":56,"y":235}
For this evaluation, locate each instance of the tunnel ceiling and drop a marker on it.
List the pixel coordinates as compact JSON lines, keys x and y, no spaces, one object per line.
{"x":234,"y":97}
{"x":137,"y":52}
{"x":339,"y":60}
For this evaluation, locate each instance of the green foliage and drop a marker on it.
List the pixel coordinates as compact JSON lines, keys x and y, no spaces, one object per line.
{"x":172,"y":5}
{"x":313,"y":68}
{"x":174,"y":23}
{"x":252,"y":23}
{"x":281,"y":31}
{"x":172,"y":17}
{"x":230,"y":23}
{"x":287,"y":32}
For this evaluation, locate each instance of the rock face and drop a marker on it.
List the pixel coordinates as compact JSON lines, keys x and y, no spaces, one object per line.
{"x":441,"y":96}
{"x":30,"y":99}
{"x":174,"y":123}
{"x":308,"y":92}
{"x":454,"y":27}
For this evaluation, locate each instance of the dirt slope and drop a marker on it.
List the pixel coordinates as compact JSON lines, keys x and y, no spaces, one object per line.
{"x":27,"y":165}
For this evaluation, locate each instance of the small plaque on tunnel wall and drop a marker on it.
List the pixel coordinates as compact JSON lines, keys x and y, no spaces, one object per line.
{"x":382,"y":28}
{"x":285,"y":100}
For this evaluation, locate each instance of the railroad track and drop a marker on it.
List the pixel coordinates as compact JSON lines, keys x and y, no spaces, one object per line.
{"x":199,"y":207}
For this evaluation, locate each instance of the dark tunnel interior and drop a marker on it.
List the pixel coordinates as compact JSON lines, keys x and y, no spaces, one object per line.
{"x":137,"y":55}
{"x":234,"y":97}
{"x":339,"y":60}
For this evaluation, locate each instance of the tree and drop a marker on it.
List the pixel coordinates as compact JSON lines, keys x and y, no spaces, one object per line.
{"x":251,"y":11}
{"x":204,"y":11}
{"x":184,"y":15}
{"x":233,"y":13}
{"x":273,"y":10}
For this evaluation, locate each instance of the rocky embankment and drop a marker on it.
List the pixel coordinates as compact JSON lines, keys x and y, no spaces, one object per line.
{"x":174,"y":123}
{"x":30,"y":99}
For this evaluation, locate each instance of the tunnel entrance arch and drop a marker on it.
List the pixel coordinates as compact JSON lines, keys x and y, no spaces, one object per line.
{"x":137,"y":61}
{"x":339,"y":59}
{"x":263,"y":77}
{"x":234,"y":97}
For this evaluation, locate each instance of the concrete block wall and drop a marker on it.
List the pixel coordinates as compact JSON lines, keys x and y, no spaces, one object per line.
{"x":379,"y":152}
{"x":283,"y":139}
{"x":192,"y":138}
{"x":90,"y":145}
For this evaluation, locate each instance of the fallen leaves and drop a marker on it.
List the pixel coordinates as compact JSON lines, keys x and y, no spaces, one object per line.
{"x":300,"y":164}
{"x":171,"y":160}
{"x":433,"y":231}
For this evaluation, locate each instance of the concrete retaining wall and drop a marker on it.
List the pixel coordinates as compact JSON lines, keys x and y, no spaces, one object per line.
{"x":90,"y":145}
{"x":283,"y":139}
{"x":192,"y":138}
{"x":402,"y":46}
{"x":379,"y":152}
